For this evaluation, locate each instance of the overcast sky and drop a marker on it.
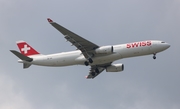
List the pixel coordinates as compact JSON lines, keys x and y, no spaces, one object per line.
{"x":144,"y":84}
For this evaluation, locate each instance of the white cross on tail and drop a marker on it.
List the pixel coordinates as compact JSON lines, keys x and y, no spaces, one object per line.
{"x":25,"y":49}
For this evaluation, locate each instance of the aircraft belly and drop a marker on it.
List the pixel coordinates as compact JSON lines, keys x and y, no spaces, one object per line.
{"x":80,"y":60}
{"x":59,"y":60}
{"x":65,"y":60}
{"x":40,"y":61}
{"x":106,"y":59}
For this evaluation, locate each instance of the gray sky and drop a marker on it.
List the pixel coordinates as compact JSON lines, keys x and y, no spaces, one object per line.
{"x":145,"y":83}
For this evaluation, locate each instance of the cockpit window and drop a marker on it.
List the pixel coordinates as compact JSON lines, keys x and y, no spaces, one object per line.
{"x":162,"y":42}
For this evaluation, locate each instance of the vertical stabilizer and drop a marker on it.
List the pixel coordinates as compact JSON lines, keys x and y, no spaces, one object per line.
{"x":26,"y":49}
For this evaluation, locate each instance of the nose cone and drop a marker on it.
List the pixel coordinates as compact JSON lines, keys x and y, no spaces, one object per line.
{"x":161,"y":46}
{"x":167,"y":46}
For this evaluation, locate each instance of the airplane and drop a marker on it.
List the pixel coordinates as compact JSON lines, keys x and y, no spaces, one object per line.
{"x":99,"y":58}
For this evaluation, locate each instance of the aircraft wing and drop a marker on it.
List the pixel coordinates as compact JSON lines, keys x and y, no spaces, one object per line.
{"x":82,"y":44}
{"x":95,"y":70}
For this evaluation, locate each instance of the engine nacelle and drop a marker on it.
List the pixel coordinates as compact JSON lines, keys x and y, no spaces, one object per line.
{"x":115,"y":68}
{"x":104,"y":50}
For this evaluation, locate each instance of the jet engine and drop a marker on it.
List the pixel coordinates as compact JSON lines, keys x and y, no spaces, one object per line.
{"x":115,"y":68}
{"x":104,"y":50}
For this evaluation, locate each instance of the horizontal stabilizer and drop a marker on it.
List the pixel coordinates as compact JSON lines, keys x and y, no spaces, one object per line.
{"x":26,"y":65}
{"x":21,"y":56}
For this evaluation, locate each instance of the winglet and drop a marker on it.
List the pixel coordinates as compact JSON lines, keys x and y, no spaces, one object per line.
{"x":49,"y":20}
{"x":89,"y":77}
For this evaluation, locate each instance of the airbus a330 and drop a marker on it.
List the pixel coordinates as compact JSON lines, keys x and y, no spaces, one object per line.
{"x":99,"y":58}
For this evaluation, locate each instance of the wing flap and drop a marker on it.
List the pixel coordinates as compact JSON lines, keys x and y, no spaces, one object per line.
{"x":94,"y":71}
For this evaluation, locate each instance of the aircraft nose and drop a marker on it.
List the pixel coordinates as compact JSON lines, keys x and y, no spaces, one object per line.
{"x":167,"y":45}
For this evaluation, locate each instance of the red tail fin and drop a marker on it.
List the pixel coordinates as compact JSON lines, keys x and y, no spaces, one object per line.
{"x":26,"y":49}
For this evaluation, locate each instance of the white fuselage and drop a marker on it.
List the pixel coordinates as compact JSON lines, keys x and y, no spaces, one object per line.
{"x":120,"y":51}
